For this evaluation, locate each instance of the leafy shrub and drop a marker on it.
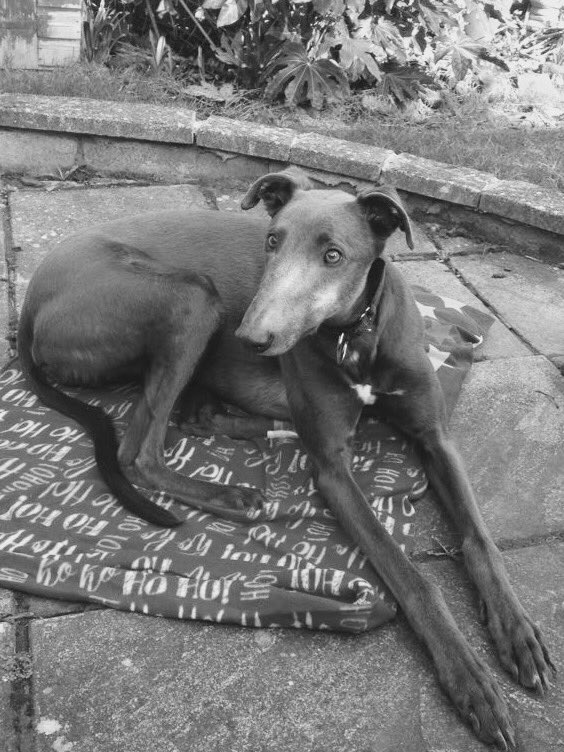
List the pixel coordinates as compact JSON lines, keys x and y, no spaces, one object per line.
{"x":313,"y":51}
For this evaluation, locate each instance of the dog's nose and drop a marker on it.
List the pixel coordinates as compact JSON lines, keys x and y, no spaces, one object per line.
{"x":259,"y":346}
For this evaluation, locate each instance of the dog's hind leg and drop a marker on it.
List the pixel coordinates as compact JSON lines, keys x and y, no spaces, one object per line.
{"x":187,"y":317}
{"x":121,"y":313}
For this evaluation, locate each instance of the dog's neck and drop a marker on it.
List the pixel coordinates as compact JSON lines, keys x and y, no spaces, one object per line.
{"x":365,"y":311}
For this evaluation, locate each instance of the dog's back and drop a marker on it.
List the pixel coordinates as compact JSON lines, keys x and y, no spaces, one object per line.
{"x":227,"y":247}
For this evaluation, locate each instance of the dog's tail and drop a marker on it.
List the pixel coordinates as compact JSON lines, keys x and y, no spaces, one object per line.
{"x":101,"y":429}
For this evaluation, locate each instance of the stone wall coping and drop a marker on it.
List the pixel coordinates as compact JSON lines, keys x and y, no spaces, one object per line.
{"x":524,"y":202}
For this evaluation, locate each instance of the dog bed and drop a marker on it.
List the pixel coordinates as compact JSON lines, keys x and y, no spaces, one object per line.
{"x":63,"y":535}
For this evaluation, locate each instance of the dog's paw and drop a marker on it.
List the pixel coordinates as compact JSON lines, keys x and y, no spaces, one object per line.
{"x":520,"y":644}
{"x":241,"y":498}
{"x":196,"y":429}
{"x":210,"y":423}
{"x":197,"y":406}
{"x":478,"y":699}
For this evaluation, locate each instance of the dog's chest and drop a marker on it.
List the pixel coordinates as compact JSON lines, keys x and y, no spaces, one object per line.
{"x":360,"y":371}
{"x":358,"y":357}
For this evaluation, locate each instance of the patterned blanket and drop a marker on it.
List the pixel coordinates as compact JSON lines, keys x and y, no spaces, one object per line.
{"x":62,"y":535}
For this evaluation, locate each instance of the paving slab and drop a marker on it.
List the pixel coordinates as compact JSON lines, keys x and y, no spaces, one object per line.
{"x":457,"y":244}
{"x":438,"y":277}
{"x":7,"y":653}
{"x":509,"y":426}
{"x":111,"y":681}
{"x":528,"y":294}
{"x":41,"y":218}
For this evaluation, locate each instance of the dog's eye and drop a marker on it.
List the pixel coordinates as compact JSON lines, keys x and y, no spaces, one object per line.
{"x":332,"y":256}
{"x":272,"y":241}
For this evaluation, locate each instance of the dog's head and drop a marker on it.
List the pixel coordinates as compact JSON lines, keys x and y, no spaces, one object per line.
{"x":320,"y":247}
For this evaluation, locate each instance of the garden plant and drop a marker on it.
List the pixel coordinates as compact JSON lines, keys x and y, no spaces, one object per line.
{"x":313,"y":52}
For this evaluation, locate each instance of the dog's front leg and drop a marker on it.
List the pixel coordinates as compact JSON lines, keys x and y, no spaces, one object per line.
{"x":518,"y":640}
{"x":419,"y":412}
{"x":326,"y":413}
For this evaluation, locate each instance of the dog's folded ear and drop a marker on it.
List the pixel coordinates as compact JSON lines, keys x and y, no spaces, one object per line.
{"x":276,"y":189}
{"x":385,"y":212}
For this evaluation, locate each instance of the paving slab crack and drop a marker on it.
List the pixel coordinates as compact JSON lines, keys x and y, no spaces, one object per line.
{"x":10,"y":254}
{"x":22,"y":691}
{"x":30,"y":616}
{"x":488,"y":304}
{"x":504,"y":545}
{"x":415,"y":256}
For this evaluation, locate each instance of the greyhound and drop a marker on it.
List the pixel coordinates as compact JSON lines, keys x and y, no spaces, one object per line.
{"x":283,"y":319}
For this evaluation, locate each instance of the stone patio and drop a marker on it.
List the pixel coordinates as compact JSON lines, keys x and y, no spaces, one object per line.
{"x":78,"y":678}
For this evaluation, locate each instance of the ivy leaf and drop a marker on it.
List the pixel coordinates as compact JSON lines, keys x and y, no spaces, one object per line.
{"x":302,"y":79}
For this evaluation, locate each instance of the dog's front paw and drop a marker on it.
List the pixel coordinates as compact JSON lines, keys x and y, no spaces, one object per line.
{"x":478,"y":699}
{"x":241,"y":498}
{"x":519,"y":642}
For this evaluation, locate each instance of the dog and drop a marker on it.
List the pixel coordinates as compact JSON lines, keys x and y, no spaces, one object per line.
{"x":287,"y":319}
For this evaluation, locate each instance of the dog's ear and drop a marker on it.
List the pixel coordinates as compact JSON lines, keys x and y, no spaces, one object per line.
{"x":276,"y":189}
{"x":385,"y":212}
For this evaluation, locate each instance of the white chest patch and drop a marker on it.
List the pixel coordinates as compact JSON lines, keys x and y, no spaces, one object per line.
{"x":364,"y":393}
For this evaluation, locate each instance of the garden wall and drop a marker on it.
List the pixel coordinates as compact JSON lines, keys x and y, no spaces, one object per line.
{"x":40,"y":135}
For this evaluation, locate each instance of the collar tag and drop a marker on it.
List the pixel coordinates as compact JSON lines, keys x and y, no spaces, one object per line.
{"x":342,"y":347}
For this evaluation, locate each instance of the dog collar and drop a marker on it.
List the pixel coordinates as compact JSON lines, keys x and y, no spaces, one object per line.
{"x":366,"y":320}
{"x":365,"y":323}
